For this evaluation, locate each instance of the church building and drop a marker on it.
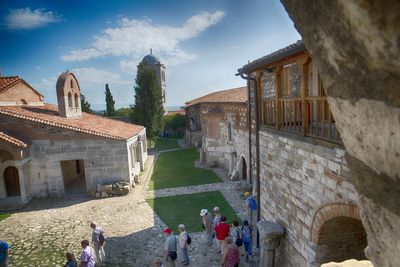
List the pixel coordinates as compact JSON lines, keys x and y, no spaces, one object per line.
{"x":54,"y":150}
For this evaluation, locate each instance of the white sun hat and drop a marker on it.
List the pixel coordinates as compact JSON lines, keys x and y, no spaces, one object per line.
{"x":181,"y":226}
{"x":203,"y":212}
{"x":216,"y":209}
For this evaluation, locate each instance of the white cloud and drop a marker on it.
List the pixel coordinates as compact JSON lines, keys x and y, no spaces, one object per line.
{"x":134,"y":38}
{"x":92,"y":83}
{"x":25,"y":18}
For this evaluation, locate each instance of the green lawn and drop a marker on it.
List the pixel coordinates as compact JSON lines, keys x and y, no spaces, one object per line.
{"x":176,"y":169}
{"x":186,"y":209}
{"x":165,"y":143}
{"x":4,"y":216}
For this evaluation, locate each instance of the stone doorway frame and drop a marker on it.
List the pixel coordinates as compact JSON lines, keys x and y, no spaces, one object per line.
{"x":81,"y":173}
{"x":242,"y":159}
{"x":16,"y":182}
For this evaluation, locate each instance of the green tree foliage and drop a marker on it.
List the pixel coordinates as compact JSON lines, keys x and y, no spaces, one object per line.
{"x":85,"y":105}
{"x":148,"y":108}
{"x":110,"y":109}
{"x":174,"y":122}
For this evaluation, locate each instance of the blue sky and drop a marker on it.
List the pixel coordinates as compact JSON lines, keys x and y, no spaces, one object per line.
{"x":202,"y":43}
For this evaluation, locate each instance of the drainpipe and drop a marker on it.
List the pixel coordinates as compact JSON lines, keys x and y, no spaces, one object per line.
{"x":257,"y":143}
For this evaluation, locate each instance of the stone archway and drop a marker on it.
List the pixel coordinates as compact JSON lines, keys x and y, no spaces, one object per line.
{"x":11,"y":180}
{"x":338,"y":233}
{"x":243,"y":170}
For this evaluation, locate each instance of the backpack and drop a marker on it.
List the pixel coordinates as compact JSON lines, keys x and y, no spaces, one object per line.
{"x":188,"y":239}
{"x":239,"y":241}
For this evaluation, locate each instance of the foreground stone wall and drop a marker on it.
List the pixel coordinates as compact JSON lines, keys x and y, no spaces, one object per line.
{"x":356,"y":46}
{"x":104,"y":161}
{"x":298,"y":177}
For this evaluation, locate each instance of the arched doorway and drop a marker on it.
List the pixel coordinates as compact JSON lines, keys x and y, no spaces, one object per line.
{"x":11,"y":179}
{"x":338,"y":233}
{"x":244,"y":169}
{"x":340,"y":239}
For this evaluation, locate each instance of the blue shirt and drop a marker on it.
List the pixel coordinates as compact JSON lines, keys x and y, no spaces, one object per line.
{"x":3,"y":251}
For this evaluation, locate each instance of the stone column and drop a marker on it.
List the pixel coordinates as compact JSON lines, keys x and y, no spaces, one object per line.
{"x":270,"y":237}
{"x":22,"y":183}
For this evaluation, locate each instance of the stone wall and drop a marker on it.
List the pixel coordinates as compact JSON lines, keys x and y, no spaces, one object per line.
{"x":355,"y":45}
{"x":298,"y":176}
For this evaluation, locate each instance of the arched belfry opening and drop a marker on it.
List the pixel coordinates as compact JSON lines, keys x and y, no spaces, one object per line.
{"x":68,"y":95}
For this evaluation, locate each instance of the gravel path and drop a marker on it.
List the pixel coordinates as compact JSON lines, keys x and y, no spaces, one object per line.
{"x":44,"y":230}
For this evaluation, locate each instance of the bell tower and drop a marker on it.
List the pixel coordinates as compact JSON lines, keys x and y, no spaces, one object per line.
{"x":68,"y":95}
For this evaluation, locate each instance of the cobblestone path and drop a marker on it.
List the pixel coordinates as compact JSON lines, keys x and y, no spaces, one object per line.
{"x":44,"y":230}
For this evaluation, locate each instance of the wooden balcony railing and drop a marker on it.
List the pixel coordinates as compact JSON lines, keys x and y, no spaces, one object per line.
{"x":287,"y":114}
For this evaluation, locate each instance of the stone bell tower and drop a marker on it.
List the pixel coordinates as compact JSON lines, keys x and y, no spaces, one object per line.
{"x":68,"y":95}
{"x":154,"y":62}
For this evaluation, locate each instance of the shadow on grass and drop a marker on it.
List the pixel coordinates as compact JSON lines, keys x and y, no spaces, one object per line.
{"x":185,"y":209}
{"x":176,"y":169}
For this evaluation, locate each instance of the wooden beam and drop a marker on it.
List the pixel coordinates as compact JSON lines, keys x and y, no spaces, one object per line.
{"x":277,"y":95}
{"x":304,"y":94}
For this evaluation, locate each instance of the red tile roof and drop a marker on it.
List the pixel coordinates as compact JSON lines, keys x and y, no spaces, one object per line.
{"x":235,"y":95}
{"x":87,"y":123}
{"x":12,"y":140}
{"x":8,"y":82}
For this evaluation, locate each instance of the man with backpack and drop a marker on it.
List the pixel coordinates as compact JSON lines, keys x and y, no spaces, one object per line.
{"x":98,"y":240}
{"x":170,"y":248}
{"x":184,"y":241}
{"x":4,"y":252}
{"x":247,"y":239}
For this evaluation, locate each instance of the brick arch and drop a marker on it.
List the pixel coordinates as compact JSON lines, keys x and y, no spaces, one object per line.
{"x":330,"y":211}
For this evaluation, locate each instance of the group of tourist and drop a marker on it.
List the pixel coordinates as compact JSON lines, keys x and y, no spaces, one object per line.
{"x":90,"y":257}
{"x":228,"y":240}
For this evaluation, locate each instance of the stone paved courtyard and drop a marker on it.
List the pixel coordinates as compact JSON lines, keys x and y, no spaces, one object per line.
{"x":46,"y":229}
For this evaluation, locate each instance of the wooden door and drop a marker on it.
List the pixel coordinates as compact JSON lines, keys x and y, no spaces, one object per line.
{"x":11,"y":178}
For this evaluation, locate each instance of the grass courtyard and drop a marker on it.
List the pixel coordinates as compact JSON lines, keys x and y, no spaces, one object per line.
{"x":165,"y":143}
{"x":185,"y":209}
{"x":176,"y":169}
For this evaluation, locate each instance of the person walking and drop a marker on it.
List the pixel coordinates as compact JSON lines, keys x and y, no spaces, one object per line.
{"x":230,"y":255}
{"x":4,"y":252}
{"x":216,"y":221}
{"x":247,"y":239}
{"x":221,"y":232}
{"x":87,"y":256}
{"x":170,"y":248}
{"x":98,"y":240}
{"x":207,"y":225}
{"x":71,"y":261}
{"x":183,"y":244}
{"x":235,"y":233}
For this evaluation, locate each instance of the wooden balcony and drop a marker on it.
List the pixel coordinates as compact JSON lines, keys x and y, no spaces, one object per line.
{"x":309,"y":116}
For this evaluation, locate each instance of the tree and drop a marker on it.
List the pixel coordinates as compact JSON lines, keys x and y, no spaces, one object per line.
{"x":148,"y":108}
{"x":110,"y":109}
{"x":85,"y":105}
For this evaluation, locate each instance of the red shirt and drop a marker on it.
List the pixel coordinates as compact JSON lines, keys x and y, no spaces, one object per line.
{"x":222,"y":231}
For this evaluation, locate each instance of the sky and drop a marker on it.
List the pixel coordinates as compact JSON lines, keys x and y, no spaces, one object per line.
{"x":202,"y":43}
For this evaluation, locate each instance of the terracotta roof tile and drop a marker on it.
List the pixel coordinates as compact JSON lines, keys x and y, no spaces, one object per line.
{"x":12,"y":140}
{"x":235,"y":95}
{"x":88,"y":123}
{"x":8,"y":82}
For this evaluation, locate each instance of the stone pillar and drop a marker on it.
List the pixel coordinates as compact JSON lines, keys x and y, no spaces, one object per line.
{"x":270,"y":237}
{"x":22,"y":184}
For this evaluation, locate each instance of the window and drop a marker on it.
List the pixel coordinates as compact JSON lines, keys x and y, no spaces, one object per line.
{"x":285,"y":81}
{"x":163,"y":76}
{"x":70,"y":100}
{"x":23,"y":102}
{"x":72,"y":83}
{"x":76,"y":100}
{"x":229,"y":131}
